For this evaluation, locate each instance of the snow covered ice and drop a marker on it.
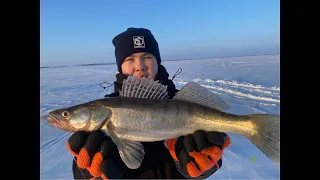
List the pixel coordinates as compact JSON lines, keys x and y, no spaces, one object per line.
{"x":248,"y":84}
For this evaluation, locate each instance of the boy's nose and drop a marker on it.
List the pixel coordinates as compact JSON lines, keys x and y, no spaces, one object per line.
{"x":140,"y":66}
{"x":140,"y":69}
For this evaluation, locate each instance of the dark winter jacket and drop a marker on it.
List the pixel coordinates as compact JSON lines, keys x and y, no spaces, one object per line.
{"x":158,"y":163}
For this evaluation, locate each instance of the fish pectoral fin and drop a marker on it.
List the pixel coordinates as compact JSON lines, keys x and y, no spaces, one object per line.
{"x":143,"y":88}
{"x":195,"y":93}
{"x":131,"y":152}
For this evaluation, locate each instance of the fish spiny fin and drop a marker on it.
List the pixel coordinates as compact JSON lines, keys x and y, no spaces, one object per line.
{"x":143,"y":88}
{"x":195,"y":93}
{"x":131,"y":152}
{"x":266,"y":135}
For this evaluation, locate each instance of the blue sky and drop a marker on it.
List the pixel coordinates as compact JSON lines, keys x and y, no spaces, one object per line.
{"x":81,"y":31}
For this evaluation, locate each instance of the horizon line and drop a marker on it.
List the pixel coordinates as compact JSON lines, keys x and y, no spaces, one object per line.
{"x":112,"y":63}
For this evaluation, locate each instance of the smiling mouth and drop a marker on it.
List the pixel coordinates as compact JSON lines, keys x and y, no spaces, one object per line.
{"x":142,"y":76}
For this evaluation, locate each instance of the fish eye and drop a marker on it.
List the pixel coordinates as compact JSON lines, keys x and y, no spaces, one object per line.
{"x":65,"y":113}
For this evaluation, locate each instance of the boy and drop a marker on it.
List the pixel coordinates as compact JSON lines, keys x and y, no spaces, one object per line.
{"x":96,"y":156}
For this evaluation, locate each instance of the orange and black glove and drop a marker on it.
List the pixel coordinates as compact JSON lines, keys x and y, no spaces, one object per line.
{"x":198,"y":155}
{"x":96,"y":156}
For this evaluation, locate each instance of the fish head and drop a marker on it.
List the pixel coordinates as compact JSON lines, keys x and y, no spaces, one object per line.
{"x":70,"y":119}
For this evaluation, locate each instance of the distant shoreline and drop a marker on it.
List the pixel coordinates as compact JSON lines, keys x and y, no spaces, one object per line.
{"x":95,"y":64}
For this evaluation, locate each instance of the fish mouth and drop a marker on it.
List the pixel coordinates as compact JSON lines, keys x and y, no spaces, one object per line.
{"x":54,"y":121}
{"x":59,"y":124}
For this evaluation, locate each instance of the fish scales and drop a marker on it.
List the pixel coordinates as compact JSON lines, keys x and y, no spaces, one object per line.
{"x":149,"y":119}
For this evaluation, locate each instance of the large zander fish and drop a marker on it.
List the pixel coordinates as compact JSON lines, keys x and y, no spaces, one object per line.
{"x":144,"y":113}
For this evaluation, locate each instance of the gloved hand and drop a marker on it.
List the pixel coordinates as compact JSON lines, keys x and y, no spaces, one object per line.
{"x":198,"y":155}
{"x":96,"y":153}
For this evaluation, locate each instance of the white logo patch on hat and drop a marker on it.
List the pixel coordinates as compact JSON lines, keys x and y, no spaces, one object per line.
{"x":138,"y":42}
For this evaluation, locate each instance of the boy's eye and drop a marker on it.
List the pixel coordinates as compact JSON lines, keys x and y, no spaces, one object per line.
{"x":128,"y":59}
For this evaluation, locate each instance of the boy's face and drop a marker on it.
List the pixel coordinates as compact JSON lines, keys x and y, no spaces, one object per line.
{"x":140,"y":65}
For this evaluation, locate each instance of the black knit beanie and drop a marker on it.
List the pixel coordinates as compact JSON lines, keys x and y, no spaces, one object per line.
{"x":135,"y":40}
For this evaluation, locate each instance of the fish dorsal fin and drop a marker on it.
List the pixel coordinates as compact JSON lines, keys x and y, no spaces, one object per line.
{"x":143,"y":88}
{"x":195,"y":93}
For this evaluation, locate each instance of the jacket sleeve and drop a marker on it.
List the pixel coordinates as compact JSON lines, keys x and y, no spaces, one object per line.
{"x":111,"y":95}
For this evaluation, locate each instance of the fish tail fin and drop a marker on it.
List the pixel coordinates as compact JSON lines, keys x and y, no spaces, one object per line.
{"x":267,"y":135}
